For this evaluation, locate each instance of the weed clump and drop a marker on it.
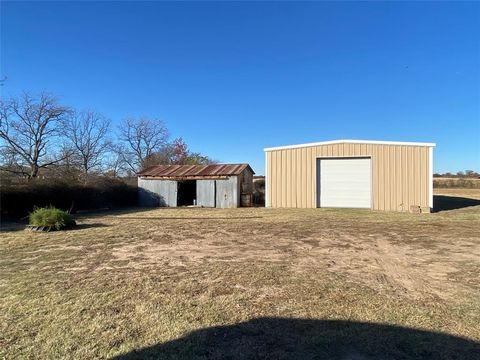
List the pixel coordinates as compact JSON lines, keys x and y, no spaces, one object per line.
{"x":51,"y":216}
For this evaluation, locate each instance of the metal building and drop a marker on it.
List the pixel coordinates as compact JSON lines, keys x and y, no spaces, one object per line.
{"x":219,"y":185}
{"x":379,"y":175}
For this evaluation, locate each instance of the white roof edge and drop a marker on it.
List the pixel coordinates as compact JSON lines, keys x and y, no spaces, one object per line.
{"x":406,"y":143}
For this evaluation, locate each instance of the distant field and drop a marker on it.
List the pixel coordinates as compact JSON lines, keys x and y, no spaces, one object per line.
{"x":468,"y":183}
{"x":246,"y":283}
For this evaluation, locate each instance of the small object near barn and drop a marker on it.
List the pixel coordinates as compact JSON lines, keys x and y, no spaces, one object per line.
{"x":219,"y":185}
{"x":379,"y":175}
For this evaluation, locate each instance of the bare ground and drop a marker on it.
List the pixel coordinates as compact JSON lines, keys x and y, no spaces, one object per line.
{"x":142,"y":277}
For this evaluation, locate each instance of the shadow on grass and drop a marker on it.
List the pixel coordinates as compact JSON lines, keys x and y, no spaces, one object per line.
{"x":282,"y":338}
{"x":443,"y":202}
{"x":113,"y":211}
{"x":21,"y":226}
{"x":87,"y":226}
{"x":190,"y":218}
{"x":10,"y":226}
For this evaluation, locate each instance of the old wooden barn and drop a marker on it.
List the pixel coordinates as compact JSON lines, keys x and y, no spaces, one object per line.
{"x":218,"y":185}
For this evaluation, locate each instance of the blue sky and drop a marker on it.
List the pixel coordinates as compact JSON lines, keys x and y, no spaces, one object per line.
{"x":233,"y":78}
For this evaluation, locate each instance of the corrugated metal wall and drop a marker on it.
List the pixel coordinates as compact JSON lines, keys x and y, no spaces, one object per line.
{"x":227,"y":195}
{"x":157,"y":192}
{"x":245,"y":182}
{"x":221,"y":193}
{"x":400,"y":174}
{"x":206,"y":193}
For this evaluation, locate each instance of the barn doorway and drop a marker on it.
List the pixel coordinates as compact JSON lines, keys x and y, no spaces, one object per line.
{"x":186,"y":192}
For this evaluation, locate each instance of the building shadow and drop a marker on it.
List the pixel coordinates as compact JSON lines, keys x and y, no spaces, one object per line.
{"x":147,"y":198}
{"x":87,"y":226}
{"x":443,"y":202}
{"x":190,"y":218}
{"x":283,"y":338}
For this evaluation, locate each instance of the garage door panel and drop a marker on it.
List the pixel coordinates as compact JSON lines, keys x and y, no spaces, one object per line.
{"x":344,"y":182}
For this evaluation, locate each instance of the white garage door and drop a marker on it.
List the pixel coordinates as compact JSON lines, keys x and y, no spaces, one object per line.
{"x":344,"y":183}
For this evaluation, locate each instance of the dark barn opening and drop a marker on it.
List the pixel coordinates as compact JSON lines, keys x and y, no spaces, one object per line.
{"x":186,"y":192}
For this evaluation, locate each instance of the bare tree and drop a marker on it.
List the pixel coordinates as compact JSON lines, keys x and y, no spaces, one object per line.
{"x":29,"y":127}
{"x":141,"y":138}
{"x":68,"y":168}
{"x":11,"y":162}
{"x":87,"y":133}
{"x":114,"y":161}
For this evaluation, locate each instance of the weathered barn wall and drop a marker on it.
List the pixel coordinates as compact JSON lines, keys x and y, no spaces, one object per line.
{"x":245,"y":186}
{"x":245,"y":182}
{"x":157,"y":192}
{"x":227,"y":194}
{"x":400,"y":174}
{"x":206,"y":193}
{"x":220,"y":192}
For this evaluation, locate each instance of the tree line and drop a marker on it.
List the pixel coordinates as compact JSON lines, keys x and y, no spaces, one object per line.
{"x":461,"y":174}
{"x":40,"y":136}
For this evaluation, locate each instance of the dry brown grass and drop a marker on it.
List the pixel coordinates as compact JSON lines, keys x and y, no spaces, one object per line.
{"x":133,"y":279}
{"x":465,"y":193}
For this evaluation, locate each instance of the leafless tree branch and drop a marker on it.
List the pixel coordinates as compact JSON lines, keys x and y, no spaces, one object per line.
{"x":27,"y":124}
{"x":87,"y":132}
{"x":141,"y":138}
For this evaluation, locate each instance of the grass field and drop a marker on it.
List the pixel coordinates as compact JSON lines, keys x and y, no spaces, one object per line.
{"x":245,"y":283}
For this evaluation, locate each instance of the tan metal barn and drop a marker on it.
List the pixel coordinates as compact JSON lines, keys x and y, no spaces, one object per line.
{"x":379,"y":175}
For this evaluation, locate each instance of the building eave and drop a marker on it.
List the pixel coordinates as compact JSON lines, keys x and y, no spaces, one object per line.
{"x":331,"y":142}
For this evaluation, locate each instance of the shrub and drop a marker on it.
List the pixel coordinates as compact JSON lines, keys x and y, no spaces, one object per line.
{"x":21,"y":199}
{"x":50,"y":216}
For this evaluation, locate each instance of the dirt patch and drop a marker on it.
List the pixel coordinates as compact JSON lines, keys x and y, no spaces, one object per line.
{"x":414,"y":256}
{"x":152,"y":276}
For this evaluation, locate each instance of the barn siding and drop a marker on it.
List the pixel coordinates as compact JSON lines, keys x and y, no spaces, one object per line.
{"x":220,"y":193}
{"x":400,"y":174}
{"x":227,"y":193}
{"x":206,"y":193}
{"x":157,"y":192}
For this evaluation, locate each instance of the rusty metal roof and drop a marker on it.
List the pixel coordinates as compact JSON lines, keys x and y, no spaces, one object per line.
{"x":194,"y":171}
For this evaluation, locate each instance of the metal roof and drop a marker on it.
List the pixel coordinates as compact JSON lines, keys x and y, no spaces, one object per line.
{"x":405,"y":143}
{"x":194,"y":171}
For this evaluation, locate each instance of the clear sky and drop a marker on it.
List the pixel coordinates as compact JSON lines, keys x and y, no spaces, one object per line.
{"x":233,"y":78}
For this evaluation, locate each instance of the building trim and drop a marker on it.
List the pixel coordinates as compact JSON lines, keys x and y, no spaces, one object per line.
{"x":350,"y":142}
{"x":267,"y":197}
{"x":430,"y":174}
{"x":187,"y":177}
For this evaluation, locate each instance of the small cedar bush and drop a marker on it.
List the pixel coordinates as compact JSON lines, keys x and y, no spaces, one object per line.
{"x":50,"y":216}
